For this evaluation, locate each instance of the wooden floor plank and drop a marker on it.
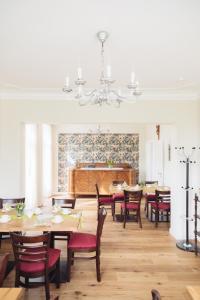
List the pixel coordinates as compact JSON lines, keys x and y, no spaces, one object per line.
{"x":133,"y":261}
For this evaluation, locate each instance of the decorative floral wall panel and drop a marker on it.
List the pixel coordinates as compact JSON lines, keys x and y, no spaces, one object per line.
{"x":74,"y":148}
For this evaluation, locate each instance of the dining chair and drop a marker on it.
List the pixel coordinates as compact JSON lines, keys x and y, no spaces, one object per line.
{"x":33,"y":259}
{"x":12,"y":202}
{"x":132,"y":203}
{"x":3,"y":266}
{"x":118,"y":196}
{"x":86,"y":243}
{"x":149,"y":197}
{"x":61,"y":235}
{"x":104,"y":201}
{"x":155,"y":295}
{"x":161,"y":207}
{"x":64,"y":202}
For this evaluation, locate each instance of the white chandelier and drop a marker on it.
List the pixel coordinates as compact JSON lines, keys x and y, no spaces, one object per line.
{"x":105,"y":94}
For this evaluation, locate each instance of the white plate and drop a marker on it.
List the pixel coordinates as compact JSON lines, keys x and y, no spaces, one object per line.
{"x":57,"y":219}
{"x":4,"y":219}
{"x":66,"y":211}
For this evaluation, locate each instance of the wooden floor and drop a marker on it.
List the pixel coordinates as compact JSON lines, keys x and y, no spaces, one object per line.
{"x":133,"y":261}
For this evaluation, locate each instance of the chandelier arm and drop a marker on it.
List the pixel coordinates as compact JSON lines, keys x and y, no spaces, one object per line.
{"x":90,"y":93}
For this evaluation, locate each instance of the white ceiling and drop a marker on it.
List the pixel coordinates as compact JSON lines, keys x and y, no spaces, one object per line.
{"x":43,"y":41}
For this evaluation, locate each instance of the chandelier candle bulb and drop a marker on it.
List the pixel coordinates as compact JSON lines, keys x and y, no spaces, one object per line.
{"x":79,"y":73}
{"x":67,"y":81}
{"x":132,"y":77}
{"x":108,"y":71}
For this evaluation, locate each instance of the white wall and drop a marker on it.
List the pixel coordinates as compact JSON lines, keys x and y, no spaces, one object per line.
{"x":183,"y":115}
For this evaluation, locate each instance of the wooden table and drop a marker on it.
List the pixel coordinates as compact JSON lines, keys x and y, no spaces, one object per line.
{"x":146,"y":189}
{"x":70,"y":222}
{"x":11,"y":293}
{"x":149,"y":189}
{"x":193,"y":292}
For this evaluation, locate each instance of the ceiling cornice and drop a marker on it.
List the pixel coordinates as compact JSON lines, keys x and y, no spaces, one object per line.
{"x":55,"y":94}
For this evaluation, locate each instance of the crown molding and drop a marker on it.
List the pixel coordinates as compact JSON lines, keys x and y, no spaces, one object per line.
{"x":56,"y":94}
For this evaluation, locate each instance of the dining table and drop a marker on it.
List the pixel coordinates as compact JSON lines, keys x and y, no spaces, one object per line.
{"x":11,"y":293}
{"x":44,"y":219}
{"x":41,"y":219}
{"x":148,"y":189}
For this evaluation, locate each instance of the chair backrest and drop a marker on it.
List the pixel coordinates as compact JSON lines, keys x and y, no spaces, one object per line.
{"x":97,"y":190}
{"x":3,"y":266}
{"x":151,"y":182}
{"x":11,"y":201}
{"x":155,"y":295}
{"x":163,"y":196}
{"x":116,"y":182}
{"x":133,"y":196}
{"x":101,"y":218}
{"x":64,"y":202}
{"x":30,"y":249}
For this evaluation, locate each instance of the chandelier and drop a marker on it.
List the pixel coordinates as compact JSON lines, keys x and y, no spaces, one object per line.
{"x":105,"y":93}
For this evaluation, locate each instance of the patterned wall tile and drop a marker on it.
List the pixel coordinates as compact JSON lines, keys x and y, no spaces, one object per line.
{"x":121,"y":148}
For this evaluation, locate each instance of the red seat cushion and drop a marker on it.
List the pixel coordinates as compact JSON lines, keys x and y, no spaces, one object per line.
{"x":34,"y":267}
{"x":82,"y":240}
{"x":118,"y":196}
{"x":130,"y":206}
{"x":105,"y":200}
{"x":161,"y":206}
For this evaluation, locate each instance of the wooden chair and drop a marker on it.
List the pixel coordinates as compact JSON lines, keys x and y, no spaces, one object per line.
{"x":12,"y":202}
{"x":61,"y":235}
{"x":116,"y":182}
{"x":118,"y":196}
{"x":161,"y":207}
{"x":132,"y":203}
{"x":64,"y":202}
{"x":3,"y":266}
{"x":155,"y":295}
{"x":34,"y":259}
{"x":149,"y":197}
{"x":104,"y":201}
{"x":85,"y":243}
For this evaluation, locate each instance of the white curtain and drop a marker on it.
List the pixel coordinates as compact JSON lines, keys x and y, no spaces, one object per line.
{"x":31,"y":165}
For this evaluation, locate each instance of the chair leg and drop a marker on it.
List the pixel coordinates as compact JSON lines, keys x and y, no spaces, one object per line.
{"x":98,"y":266}
{"x":147,"y":212}
{"x":151,"y":214}
{"x":113,"y":210}
{"x":26,"y":281}
{"x":52,"y":241}
{"x":139,"y":219}
{"x":167,"y":216}
{"x":125,"y":215}
{"x":58,"y":274}
{"x":17,"y":279}
{"x":69,"y":262}
{"x":47,"y":291}
{"x":156,"y":218}
{"x":72,"y":261}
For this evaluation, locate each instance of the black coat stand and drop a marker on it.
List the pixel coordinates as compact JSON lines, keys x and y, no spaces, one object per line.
{"x":186,"y":245}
